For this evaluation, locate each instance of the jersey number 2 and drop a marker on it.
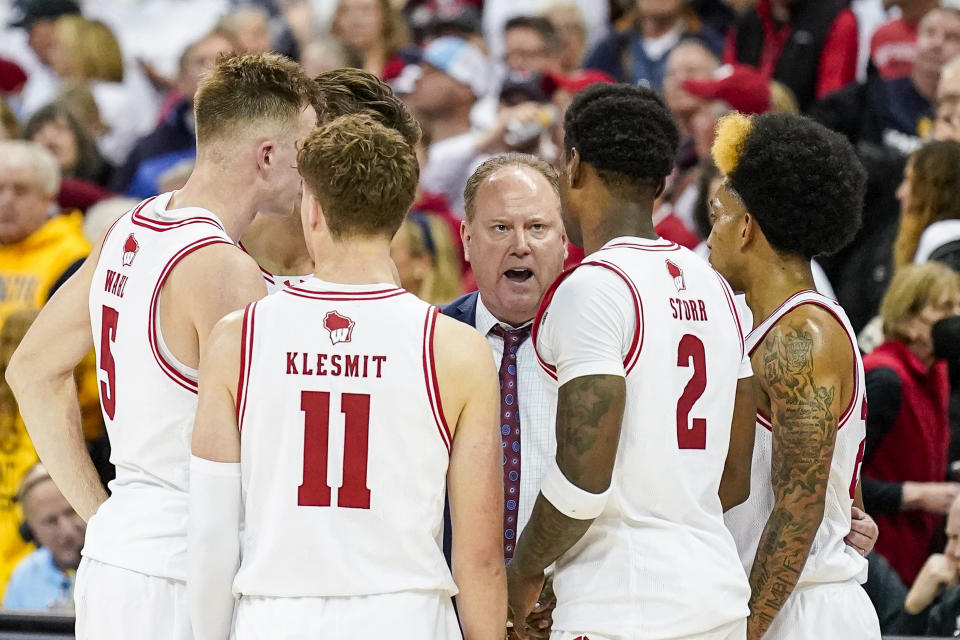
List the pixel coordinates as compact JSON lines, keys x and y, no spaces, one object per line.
{"x":315,"y":492}
{"x":691,"y":435}
{"x":108,"y":335}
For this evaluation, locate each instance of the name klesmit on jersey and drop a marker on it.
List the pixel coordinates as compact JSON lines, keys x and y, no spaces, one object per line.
{"x":695,"y":310}
{"x":335,"y":364}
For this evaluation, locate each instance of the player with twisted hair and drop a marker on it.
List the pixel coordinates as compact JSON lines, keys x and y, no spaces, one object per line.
{"x":792,"y":190}
{"x":359,"y":406}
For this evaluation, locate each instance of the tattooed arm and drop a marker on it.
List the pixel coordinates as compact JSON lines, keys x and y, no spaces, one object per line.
{"x":805,"y":368}
{"x":589,"y":413}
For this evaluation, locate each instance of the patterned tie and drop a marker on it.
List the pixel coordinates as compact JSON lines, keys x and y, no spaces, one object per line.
{"x":510,"y":432}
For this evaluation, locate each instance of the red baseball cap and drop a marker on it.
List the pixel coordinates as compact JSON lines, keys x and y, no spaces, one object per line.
{"x":12,"y":77}
{"x":742,"y":87}
{"x":573,"y":82}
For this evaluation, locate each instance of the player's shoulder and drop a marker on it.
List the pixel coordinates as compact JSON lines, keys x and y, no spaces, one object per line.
{"x":457,"y":337}
{"x":817,"y":329}
{"x":221,"y":261}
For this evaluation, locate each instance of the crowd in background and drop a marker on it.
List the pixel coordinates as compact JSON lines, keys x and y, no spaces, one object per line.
{"x":96,"y":114}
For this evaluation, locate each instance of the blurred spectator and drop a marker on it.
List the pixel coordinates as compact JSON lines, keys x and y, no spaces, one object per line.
{"x":930,"y":206}
{"x":426,"y":260}
{"x":9,"y":127}
{"x":596,"y":14}
{"x":905,"y":456}
{"x":639,"y":54}
{"x":454,"y":75}
{"x":103,"y":214}
{"x":56,"y":129}
{"x":897,"y":113}
{"x":531,"y":45}
{"x":87,"y":51}
{"x":37,"y":19}
{"x":12,"y":77}
{"x":44,"y":579}
{"x":808,"y":45}
{"x":437,"y":18}
{"x":525,"y":119}
{"x":571,"y":29}
{"x":894,"y":45}
{"x":76,"y":97}
{"x":689,"y":60}
{"x":326,"y":53}
{"x":173,"y":139}
{"x":17,"y":455}
{"x":176,"y":176}
{"x":249,"y":28}
{"x":947,"y":126}
{"x":376,"y":30}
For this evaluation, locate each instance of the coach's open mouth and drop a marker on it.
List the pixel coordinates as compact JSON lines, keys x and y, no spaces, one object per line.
{"x":518,"y":275}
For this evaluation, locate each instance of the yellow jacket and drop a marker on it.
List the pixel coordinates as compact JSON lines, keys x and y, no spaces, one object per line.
{"x":28,"y":269}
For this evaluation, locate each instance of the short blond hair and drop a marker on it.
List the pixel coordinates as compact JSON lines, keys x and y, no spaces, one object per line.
{"x":92,"y":47}
{"x":249,"y":88}
{"x":363,"y":174}
{"x":914,"y":287}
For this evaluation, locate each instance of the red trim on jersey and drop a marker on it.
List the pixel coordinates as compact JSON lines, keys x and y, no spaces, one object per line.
{"x":845,"y":416}
{"x":733,"y":310}
{"x":338,"y":297}
{"x":246,"y":365}
{"x":633,"y":353}
{"x":764,"y":421}
{"x":166,"y":367}
{"x":636,"y":346}
{"x":430,"y":378}
{"x":673,"y":246}
{"x":350,"y":295}
{"x":166,"y":225}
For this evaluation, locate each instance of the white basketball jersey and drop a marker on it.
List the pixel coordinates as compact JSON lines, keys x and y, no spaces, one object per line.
{"x":659,"y":562}
{"x":344,"y":448}
{"x":148,"y":397}
{"x":830,"y":560}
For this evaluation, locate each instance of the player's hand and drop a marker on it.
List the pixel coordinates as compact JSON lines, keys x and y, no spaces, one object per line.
{"x":937,"y":573}
{"x":932,"y":497}
{"x":522,"y":595}
{"x":863,"y":532}
{"x":540,"y":620}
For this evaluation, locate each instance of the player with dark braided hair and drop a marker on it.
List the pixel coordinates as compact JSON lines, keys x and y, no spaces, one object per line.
{"x":631,"y":510}
{"x":793,"y":190}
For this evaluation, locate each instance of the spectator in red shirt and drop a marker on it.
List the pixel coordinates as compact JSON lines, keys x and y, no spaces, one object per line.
{"x":894,"y":45}
{"x":908,"y":433}
{"x":808,"y":45}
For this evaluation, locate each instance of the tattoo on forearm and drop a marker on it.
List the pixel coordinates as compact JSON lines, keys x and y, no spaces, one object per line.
{"x":548,"y":535}
{"x":803,"y":437}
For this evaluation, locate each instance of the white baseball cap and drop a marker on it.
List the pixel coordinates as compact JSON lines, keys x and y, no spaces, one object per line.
{"x":461,"y":61}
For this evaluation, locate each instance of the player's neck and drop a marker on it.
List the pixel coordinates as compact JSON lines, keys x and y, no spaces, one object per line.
{"x":359,"y":261}
{"x":618,"y":218}
{"x":222,"y":194}
{"x":773,"y":281}
{"x":277,"y":244}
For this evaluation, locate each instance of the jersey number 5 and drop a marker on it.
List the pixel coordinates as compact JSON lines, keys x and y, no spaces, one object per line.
{"x":108,"y":335}
{"x":315,"y":492}
{"x":691,"y":436}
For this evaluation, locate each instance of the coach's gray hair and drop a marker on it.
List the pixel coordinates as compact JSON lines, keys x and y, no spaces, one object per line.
{"x":20,"y":154}
{"x":495,"y":164}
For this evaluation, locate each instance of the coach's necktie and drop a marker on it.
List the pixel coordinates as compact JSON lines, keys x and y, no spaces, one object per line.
{"x":510,"y":432}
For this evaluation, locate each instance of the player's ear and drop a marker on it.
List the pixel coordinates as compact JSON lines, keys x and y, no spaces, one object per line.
{"x":265,"y":155}
{"x":574,"y":169}
{"x":315,"y":214}
{"x":748,"y":229}
{"x":660,"y":189}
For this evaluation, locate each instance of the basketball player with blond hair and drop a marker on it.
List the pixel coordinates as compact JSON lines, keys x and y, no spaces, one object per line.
{"x":793,"y":190}
{"x":164,"y":274}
